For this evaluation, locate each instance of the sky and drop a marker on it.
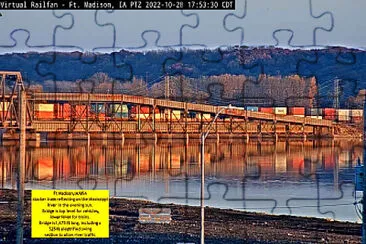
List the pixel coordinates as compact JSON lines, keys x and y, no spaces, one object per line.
{"x":283,"y":23}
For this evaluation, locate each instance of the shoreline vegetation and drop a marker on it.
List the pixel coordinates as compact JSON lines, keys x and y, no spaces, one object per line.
{"x":221,"y":225}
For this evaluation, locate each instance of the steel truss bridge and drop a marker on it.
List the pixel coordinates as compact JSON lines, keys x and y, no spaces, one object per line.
{"x":237,"y":122}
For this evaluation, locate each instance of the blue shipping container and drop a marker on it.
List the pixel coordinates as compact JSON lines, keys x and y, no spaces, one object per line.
{"x":252,"y":109}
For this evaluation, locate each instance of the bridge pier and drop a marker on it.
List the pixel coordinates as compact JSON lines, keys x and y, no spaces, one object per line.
{"x":247,"y":138}
{"x":155,"y":138}
{"x":122,"y":138}
{"x":217,"y":138}
{"x":187,"y":139}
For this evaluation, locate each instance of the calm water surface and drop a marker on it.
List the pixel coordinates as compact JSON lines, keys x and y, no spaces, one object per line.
{"x":312,"y":178}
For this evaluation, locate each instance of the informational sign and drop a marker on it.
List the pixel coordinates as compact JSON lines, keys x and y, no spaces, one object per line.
{"x":70,"y":213}
{"x":360,"y":178}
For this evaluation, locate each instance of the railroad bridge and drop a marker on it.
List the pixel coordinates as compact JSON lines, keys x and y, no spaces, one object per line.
{"x":233,"y":121}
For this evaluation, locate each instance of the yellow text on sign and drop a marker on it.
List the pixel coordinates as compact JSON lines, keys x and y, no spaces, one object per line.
{"x":70,"y":213}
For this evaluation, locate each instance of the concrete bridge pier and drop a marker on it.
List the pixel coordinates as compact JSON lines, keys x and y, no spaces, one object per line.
{"x":187,"y":139}
{"x":217,"y":138}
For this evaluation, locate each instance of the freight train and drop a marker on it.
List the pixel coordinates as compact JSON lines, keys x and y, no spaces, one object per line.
{"x":66,"y":111}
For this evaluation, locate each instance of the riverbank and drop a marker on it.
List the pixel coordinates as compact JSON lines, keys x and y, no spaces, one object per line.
{"x":221,"y":226}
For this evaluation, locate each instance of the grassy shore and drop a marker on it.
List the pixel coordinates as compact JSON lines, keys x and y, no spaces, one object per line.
{"x":221,"y":226}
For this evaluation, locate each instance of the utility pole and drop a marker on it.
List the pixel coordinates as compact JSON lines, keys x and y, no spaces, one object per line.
{"x":21,"y":162}
{"x":167,"y":87}
{"x":336,"y":94}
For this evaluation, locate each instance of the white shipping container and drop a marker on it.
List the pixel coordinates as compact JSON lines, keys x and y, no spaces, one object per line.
{"x":297,"y":115}
{"x":6,"y":106}
{"x":204,"y":116}
{"x":281,"y":110}
{"x":343,"y":118}
{"x":44,"y":107}
{"x":343,"y":112}
{"x":174,"y":113}
{"x":357,"y":113}
{"x":316,"y":117}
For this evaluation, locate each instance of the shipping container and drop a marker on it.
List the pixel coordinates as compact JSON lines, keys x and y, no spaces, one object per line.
{"x":122,"y":115}
{"x":297,"y":111}
{"x":357,"y":116}
{"x":316,"y":117}
{"x":63,"y":111}
{"x":266,"y":110}
{"x":44,"y":115}
{"x":330,"y":113}
{"x":44,"y":107}
{"x":80,"y":111}
{"x":98,"y":108}
{"x":4,"y":106}
{"x":204,"y":116}
{"x":314,"y":112}
{"x":280,"y":110}
{"x":118,"y":108}
{"x":344,"y":114}
{"x":356,"y":112}
{"x":172,"y":114}
{"x":252,"y":109}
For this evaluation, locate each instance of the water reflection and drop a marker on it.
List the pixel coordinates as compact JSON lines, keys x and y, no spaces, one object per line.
{"x":312,"y":178}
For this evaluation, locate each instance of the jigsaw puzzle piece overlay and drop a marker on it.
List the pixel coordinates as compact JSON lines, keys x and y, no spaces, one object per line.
{"x":349,"y":18}
{"x":210,"y":30}
{"x":84,"y":32}
{"x":285,"y":14}
{"x":128,"y":26}
{"x":40,"y":26}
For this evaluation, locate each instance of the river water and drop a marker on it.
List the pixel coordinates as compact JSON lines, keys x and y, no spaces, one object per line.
{"x":311,"y":178}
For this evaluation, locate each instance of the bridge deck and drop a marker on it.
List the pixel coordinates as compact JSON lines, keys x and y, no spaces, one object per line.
{"x":204,"y":108}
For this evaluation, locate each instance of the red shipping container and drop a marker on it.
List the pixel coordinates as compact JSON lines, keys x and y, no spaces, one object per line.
{"x":330,"y":113}
{"x":80,"y":111}
{"x":266,"y":110}
{"x":297,"y":111}
{"x":62,"y":111}
{"x":44,"y":115}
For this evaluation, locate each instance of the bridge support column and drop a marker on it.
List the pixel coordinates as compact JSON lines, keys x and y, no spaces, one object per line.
{"x":276,"y":137}
{"x":122,"y":138}
{"x":69,"y":136}
{"x":104,"y":138}
{"x":247,"y":138}
{"x":217,"y":138}
{"x":155,"y":138}
{"x":138,"y":137}
{"x":37,"y":137}
{"x":187,"y":139}
{"x":88,"y":138}
{"x":170,"y":138}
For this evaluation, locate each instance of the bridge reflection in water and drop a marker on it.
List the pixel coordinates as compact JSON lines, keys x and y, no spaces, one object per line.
{"x":169,"y":171}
